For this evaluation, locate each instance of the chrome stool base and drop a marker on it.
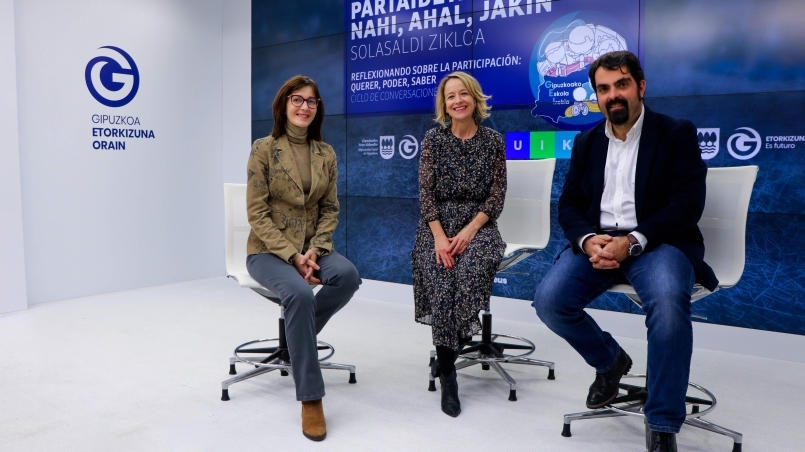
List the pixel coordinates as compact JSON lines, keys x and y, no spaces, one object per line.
{"x":491,"y":354}
{"x":631,"y":404}
{"x":272,"y":358}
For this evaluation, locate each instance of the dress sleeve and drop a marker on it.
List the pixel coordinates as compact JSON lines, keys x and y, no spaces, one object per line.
{"x":427,"y":181}
{"x":497,"y":194}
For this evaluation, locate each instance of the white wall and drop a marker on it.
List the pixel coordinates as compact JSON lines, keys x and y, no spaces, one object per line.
{"x":12,"y":254}
{"x":99,"y":221}
{"x":237,"y":77}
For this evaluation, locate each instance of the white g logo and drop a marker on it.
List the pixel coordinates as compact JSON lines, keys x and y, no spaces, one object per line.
{"x":744,"y":143}
{"x":408,"y":147}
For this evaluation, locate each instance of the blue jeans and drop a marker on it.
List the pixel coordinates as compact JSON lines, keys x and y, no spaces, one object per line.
{"x":663,"y":278}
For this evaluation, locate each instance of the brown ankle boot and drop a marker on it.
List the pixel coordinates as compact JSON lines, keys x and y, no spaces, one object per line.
{"x":314,"y":427}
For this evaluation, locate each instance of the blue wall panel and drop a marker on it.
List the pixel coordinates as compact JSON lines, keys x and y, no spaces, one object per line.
{"x":696,"y":47}
{"x":322,"y":59}
{"x":334,"y":130}
{"x":380,"y":236}
{"x":780,"y":186}
{"x":281,"y":21}
{"x":392,"y":176}
{"x":340,"y":234}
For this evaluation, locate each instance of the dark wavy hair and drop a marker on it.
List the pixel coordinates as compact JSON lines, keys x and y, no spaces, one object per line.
{"x":280,"y":105}
{"x":617,"y":60}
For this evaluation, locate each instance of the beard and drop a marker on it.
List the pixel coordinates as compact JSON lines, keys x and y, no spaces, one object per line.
{"x":620,"y":116}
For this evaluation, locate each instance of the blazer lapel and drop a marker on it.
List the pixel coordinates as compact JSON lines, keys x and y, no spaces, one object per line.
{"x":288,"y":161}
{"x":645,"y":154}
{"x":599,"y":150}
{"x":316,"y":165}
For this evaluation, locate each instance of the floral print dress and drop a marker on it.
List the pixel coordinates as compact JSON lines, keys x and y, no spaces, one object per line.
{"x":458,"y":179}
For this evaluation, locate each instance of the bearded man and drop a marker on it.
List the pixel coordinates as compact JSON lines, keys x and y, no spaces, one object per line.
{"x":630,"y":205}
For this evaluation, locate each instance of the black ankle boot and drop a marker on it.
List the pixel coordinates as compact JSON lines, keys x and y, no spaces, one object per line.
{"x":434,"y":368}
{"x":450,"y":404}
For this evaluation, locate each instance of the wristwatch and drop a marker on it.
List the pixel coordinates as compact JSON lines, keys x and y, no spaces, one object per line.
{"x":635,"y":248}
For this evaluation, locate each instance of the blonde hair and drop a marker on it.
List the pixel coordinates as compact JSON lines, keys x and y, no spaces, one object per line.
{"x":481,"y":108}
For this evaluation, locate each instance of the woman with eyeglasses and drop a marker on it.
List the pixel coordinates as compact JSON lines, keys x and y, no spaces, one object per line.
{"x":457,"y":249}
{"x":293,"y":211}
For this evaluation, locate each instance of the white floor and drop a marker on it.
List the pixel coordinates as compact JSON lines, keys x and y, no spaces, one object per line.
{"x":141,"y":371}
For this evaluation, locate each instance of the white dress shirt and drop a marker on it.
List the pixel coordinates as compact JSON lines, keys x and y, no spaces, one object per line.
{"x":618,"y":200}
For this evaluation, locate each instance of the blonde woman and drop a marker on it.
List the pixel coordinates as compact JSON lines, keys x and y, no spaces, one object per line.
{"x":462,"y":185}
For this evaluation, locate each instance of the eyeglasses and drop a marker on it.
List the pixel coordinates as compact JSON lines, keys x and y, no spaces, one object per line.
{"x":297,"y":100}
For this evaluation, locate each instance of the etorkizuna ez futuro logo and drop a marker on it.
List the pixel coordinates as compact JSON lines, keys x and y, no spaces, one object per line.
{"x":112,"y":77}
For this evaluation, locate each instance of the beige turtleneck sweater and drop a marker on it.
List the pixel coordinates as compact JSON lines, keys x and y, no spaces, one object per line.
{"x":301,"y":150}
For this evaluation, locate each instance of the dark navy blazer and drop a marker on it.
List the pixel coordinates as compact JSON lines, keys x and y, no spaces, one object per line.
{"x":669,"y":188}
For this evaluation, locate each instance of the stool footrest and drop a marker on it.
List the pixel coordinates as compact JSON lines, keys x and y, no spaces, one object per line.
{"x":632,"y":403}
{"x":491,"y":354}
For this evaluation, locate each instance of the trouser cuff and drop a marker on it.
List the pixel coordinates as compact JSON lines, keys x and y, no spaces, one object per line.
{"x":614,"y":361}
{"x":308,"y":398}
{"x":664,"y":428}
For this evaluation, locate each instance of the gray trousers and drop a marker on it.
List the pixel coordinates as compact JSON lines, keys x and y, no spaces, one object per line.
{"x":306,"y":313}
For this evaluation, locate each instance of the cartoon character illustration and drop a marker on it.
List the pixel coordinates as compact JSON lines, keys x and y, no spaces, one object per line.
{"x":555,"y":59}
{"x":581,"y":43}
{"x":562,"y":56}
{"x":585,"y":103}
{"x":607,"y":40}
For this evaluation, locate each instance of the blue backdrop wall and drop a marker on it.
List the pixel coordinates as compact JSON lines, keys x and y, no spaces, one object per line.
{"x":736,"y":69}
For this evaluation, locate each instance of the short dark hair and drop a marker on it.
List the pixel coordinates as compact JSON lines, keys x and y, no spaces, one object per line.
{"x":280,"y":106}
{"x":616,"y":60}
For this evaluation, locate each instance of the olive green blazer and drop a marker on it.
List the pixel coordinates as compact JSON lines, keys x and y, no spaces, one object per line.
{"x":285,"y":222}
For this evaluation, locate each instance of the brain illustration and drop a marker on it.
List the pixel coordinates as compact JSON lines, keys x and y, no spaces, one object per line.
{"x":572,"y":48}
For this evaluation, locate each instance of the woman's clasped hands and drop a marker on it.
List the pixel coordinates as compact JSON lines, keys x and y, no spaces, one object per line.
{"x":306,"y":264}
{"x":448,"y":247}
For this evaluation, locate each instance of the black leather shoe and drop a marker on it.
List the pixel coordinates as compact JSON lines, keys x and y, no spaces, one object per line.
{"x":605,"y":387}
{"x":662,"y":442}
{"x":450,"y":404}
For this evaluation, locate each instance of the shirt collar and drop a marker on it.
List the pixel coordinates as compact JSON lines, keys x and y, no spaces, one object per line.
{"x":634,"y":133}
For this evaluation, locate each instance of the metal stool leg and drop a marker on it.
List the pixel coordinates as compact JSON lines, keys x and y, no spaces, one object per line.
{"x":536,"y":362}
{"x":737,"y":438}
{"x":466,"y":363}
{"x":512,"y":383}
{"x":245,"y":376}
{"x":596,"y":414}
{"x":351,"y":369}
